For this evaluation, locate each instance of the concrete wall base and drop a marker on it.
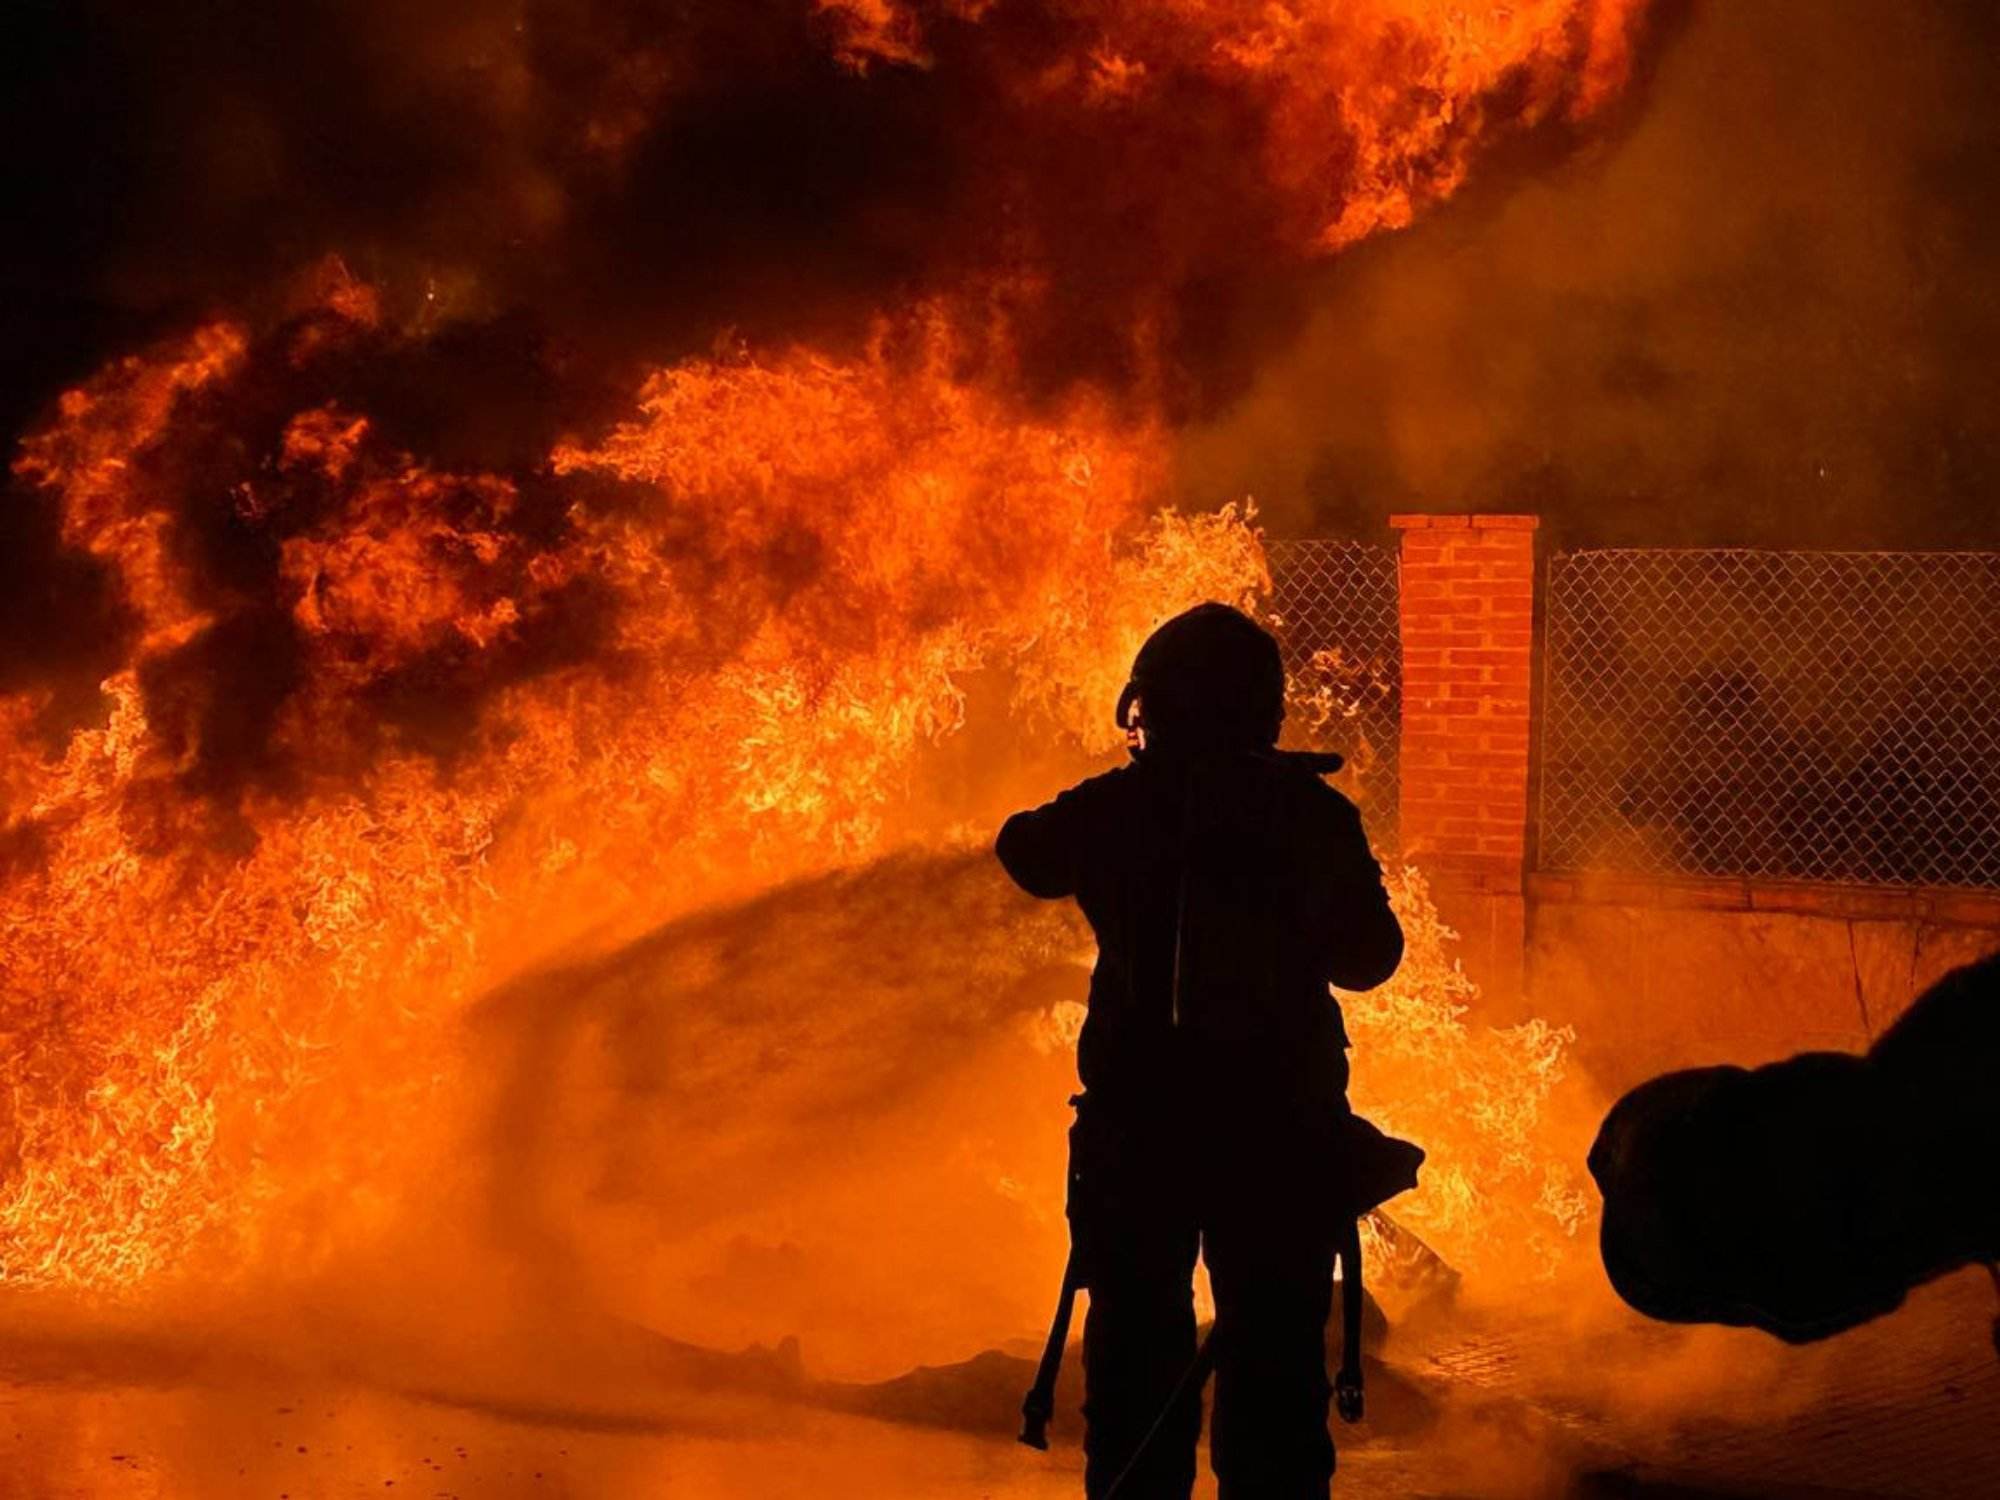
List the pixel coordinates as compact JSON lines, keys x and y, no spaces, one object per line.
{"x":1663,"y":975}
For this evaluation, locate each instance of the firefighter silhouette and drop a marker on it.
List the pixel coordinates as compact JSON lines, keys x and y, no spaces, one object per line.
{"x":1228,"y":886}
{"x":1808,"y":1196}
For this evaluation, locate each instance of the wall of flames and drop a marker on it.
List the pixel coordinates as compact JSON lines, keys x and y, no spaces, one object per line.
{"x":391,"y":727}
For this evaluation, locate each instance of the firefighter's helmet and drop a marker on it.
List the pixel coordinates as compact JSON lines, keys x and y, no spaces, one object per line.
{"x":1209,"y":678}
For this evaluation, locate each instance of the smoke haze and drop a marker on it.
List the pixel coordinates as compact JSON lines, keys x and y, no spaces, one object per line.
{"x":1762,"y":312}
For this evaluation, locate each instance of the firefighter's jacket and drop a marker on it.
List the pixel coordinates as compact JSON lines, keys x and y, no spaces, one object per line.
{"x":1226,"y":892}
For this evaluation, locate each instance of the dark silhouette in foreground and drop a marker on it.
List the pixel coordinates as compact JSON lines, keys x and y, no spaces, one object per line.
{"x":1812,"y":1195}
{"x":1227,"y":885}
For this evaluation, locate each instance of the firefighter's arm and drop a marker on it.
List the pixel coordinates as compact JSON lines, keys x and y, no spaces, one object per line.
{"x":1365,"y":941}
{"x":1040,"y":848}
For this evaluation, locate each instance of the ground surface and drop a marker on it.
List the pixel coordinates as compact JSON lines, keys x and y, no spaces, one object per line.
{"x":1557,"y":1401}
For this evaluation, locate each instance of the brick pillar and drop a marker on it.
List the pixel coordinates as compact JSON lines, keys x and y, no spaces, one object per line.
{"x":1467,"y":607}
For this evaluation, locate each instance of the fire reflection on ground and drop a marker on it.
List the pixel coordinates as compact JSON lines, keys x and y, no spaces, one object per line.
{"x":1527,"y":1403}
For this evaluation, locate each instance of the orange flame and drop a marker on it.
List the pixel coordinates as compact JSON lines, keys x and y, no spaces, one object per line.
{"x":709,"y":650}
{"x":1376,"y":109}
{"x":808,"y":557}
{"x":1493,"y":1191}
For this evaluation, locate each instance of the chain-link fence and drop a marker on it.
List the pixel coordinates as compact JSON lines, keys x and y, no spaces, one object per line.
{"x":1334,"y":608}
{"x":1804,"y":716}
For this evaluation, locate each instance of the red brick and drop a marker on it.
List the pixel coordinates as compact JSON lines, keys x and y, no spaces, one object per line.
{"x":1483,"y":567}
{"x":1478,"y":759}
{"x":1443,"y":644}
{"x":1440,"y":775}
{"x":1464,"y":631}
{"x":1444,"y":804}
{"x":1459,"y":627}
{"x":1442,"y":779}
{"x":1465,"y":828}
{"x":1461,"y":789}
{"x":1445,"y":777}
{"x":1466,"y":620}
{"x":1468,"y":862}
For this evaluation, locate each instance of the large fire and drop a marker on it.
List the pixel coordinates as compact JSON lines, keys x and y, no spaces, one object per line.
{"x":802,"y":562}
{"x":393,"y":725}
{"x":1374,"y":110}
